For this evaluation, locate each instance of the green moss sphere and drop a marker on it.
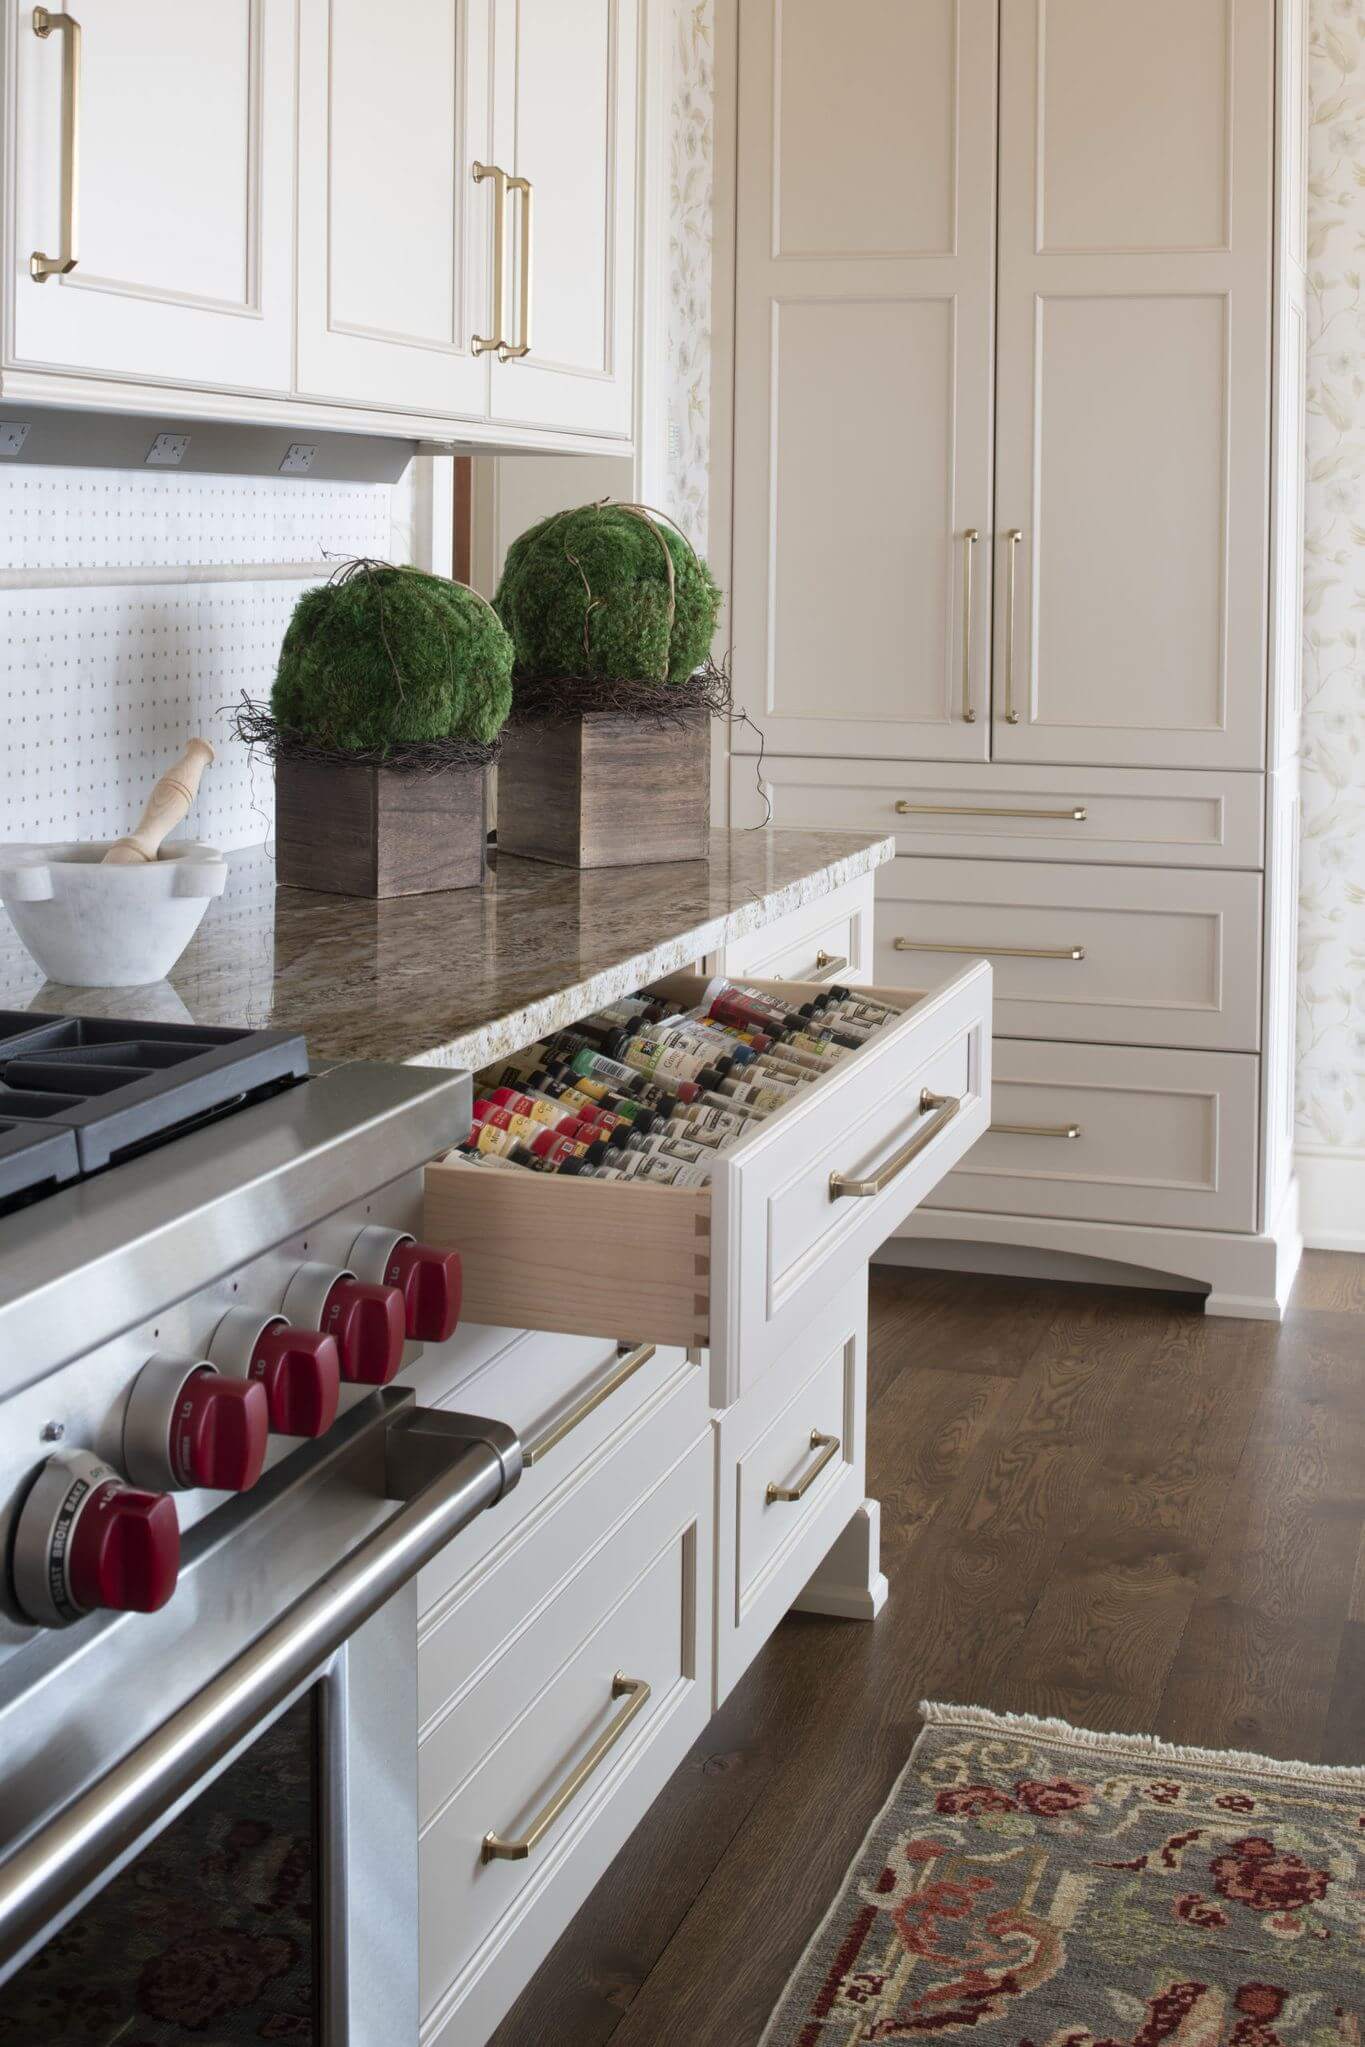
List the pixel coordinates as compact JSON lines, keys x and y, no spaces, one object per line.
{"x":586,"y":594}
{"x":386,"y":657}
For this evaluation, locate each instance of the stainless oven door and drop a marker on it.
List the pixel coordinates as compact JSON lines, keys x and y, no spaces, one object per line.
{"x":276,"y":1692}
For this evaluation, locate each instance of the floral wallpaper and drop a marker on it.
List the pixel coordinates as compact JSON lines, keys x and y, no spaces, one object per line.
{"x":1331,"y":1105}
{"x":691,"y":155}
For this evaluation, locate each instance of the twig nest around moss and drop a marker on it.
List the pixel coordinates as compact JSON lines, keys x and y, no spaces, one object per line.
{"x":607,"y":592}
{"x":384,"y":657}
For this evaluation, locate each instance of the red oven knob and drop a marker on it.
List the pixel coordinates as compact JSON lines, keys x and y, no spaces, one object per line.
{"x":85,"y":1539}
{"x":300,"y":1369}
{"x":187,"y":1425}
{"x":365,"y":1320}
{"x":427,"y":1278}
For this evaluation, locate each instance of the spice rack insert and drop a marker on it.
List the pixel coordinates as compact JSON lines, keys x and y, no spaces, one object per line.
{"x":794,"y":1208}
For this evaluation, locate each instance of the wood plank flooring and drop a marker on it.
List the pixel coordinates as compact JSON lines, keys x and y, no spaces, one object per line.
{"x":1095,"y":1503}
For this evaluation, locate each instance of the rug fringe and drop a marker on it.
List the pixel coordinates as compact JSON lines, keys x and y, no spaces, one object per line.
{"x":980,"y":1720}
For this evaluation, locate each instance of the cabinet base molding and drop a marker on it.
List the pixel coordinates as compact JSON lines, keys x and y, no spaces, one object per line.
{"x":1248,"y":1277}
{"x":850,"y":1584}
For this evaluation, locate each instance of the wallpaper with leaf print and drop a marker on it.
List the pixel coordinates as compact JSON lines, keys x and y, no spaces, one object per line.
{"x":1332,"y":902}
{"x":691,"y":156}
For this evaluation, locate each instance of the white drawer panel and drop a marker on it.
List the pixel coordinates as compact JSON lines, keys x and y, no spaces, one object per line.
{"x":742,"y":1264}
{"x":828,"y":940}
{"x":640,"y":1605}
{"x":1162,"y":816}
{"x":1161,"y":1137}
{"x":1128,"y":956}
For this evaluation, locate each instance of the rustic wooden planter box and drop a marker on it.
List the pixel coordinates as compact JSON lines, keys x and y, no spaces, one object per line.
{"x":600,"y":790}
{"x":356,"y":830}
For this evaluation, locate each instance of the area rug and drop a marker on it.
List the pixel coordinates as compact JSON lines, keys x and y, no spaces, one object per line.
{"x":1029,"y":1884}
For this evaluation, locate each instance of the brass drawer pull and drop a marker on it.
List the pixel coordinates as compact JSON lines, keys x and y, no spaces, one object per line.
{"x":509,"y":351}
{"x":484,"y":344}
{"x":904,"y":809}
{"x":828,"y":1446}
{"x":1004,"y":952}
{"x":944,"y":1108}
{"x":632,"y":1363}
{"x":40,"y":266}
{"x":636,"y":1692}
{"x":1014,"y":536}
{"x":971,"y":536}
{"x":1035,"y":1130}
{"x":827,"y":964}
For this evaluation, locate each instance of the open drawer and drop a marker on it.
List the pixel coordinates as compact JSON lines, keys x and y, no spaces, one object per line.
{"x":793,"y":1209}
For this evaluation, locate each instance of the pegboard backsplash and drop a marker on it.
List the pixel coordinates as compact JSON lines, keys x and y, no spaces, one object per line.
{"x":103,"y":684}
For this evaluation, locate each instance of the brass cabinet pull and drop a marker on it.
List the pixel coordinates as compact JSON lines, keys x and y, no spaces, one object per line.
{"x":944,"y":1108}
{"x":636,"y":1692}
{"x":633,"y":1362}
{"x":905,"y":809}
{"x":1014,"y":536}
{"x":827,"y":964}
{"x":828,"y":1446}
{"x":1035,"y":1130}
{"x":1004,"y":952}
{"x":40,"y":266}
{"x":484,"y":344}
{"x":971,"y":536}
{"x":509,"y":352}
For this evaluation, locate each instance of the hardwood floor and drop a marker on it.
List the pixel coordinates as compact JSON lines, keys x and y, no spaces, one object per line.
{"x":1095,"y":1503}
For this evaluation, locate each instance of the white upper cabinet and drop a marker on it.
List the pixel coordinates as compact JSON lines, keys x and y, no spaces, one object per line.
{"x":395,"y":234}
{"x":1134,"y":367}
{"x":567,"y":91}
{"x":865,"y":369}
{"x":154,"y":144}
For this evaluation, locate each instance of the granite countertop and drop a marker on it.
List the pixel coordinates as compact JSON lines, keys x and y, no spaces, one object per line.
{"x":457,"y":978}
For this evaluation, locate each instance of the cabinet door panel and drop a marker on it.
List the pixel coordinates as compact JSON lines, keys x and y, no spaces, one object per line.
{"x":864,"y":376}
{"x":396,"y":238}
{"x":1135,"y":239}
{"x":185,"y":194}
{"x":566,"y":116}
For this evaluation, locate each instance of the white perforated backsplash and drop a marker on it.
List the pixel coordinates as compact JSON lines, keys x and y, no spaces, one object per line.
{"x":104,"y":683}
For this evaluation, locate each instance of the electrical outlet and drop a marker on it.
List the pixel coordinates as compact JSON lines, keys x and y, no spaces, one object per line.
{"x":298,"y":456}
{"x":12,"y":436}
{"x":167,"y":451}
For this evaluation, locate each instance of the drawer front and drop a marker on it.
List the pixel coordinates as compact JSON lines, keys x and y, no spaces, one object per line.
{"x":829,"y":940}
{"x":1169,"y":817}
{"x":538,"y":1727}
{"x":1102,"y":1133}
{"x":741,"y":1265}
{"x":1138,"y":956}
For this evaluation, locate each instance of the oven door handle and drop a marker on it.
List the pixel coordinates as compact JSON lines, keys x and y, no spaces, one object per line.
{"x":446,"y":1468}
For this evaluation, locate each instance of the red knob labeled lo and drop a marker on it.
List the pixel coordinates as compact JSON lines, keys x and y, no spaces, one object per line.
{"x":188,"y":1425}
{"x":366,"y":1321}
{"x":85,"y":1539}
{"x":300,"y":1369}
{"x":427,"y":1277}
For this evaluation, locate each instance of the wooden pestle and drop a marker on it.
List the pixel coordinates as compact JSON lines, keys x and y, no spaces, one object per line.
{"x":167,"y":804}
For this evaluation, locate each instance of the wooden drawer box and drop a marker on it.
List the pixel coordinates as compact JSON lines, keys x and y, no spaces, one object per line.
{"x":1170,"y":817}
{"x":828,"y":940}
{"x":539,"y":1724}
{"x":1105,"y":955}
{"x":1160,"y":1137}
{"x":743,"y":1264}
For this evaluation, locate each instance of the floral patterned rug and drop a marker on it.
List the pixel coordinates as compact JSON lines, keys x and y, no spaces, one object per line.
{"x":1032,"y":1885}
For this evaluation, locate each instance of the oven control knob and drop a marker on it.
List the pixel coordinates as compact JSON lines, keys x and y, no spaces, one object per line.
{"x":427,"y":1278}
{"x":366,"y":1320}
{"x":186,"y":1424}
{"x":299,"y":1368}
{"x":86,"y":1539}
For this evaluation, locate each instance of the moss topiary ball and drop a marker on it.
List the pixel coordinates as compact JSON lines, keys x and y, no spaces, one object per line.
{"x":383,"y":657}
{"x":586,"y":594}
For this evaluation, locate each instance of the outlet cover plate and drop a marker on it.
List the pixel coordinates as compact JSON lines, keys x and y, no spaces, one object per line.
{"x":167,"y":451}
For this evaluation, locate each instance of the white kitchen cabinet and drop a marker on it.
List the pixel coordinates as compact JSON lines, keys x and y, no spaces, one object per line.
{"x":180,"y":123}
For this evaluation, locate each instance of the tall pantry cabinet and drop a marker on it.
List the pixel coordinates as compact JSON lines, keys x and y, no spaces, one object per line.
{"x":1017,"y":516}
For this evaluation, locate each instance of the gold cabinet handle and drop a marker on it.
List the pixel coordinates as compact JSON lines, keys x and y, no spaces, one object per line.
{"x":636,"y":1693}
{"x":634,"y":1361}
{"x":1014,"y":536}
{"x":484,"y":344}
{"x":40,"y":266}
{"x":970,"y":537}
{"x":507,"y":352}
{"x":944,"y":1108}
{"x":828,"y":1446}
{"x":1003,"y":952}
{"x":1071,"y":1130}
{"x":905,"y":809}
{"x":828,"y":964}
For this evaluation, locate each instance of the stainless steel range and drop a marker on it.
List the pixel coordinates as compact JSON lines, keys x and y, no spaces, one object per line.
{"x":214,"y":1500}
